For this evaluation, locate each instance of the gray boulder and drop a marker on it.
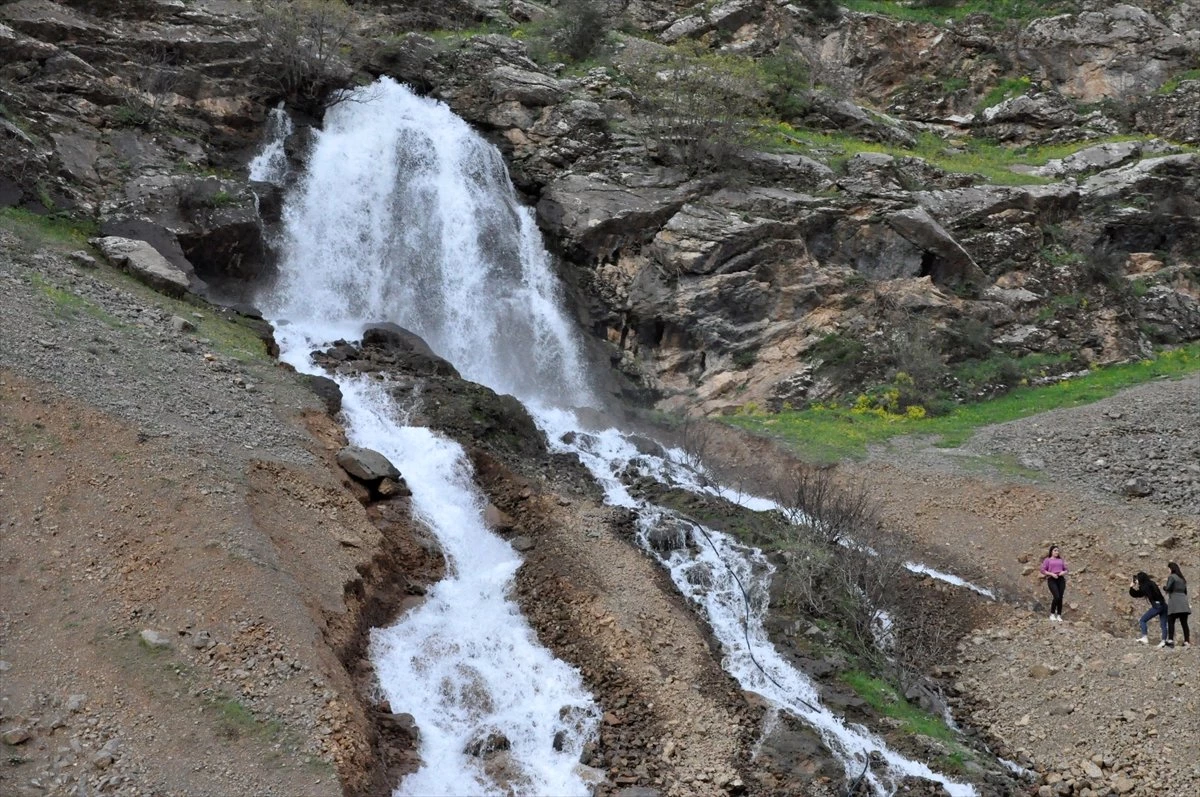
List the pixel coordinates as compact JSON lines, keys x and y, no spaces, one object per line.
{"x":145,"y":263}
{"x":366,"y":465}
{"x":945,"y":260}
{"x":1120,"y":51}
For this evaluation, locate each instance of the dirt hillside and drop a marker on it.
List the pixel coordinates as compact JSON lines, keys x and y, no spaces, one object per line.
{"x":186,"y":574}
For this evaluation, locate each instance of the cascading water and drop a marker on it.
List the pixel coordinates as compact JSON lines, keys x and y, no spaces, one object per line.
{"x":405,"y":215}
{"x":271,"y":163}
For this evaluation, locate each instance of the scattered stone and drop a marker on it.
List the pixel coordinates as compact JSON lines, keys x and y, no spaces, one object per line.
{"x":1040,"y":671}
{"x":84,"y":259}
{"x":181,"y":325}
{"x":153,"y":639}
{"x":1137,"y":487}
{"x":523,"y":544}
{"x":15,"y":736}
{"x":497,"y":519}
{"x":390,"y":488}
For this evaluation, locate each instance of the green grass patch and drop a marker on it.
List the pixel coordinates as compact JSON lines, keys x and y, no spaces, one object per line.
{"x":993,"y":162}
{"x":52,"y":229}
{"x":233,"y":338}
{"x":235,"y":721}
{"x":829,"y":434}
{"x":940,"y":12}
{"x":1173,"y":83}
{"x":1009,"y":87}
{"x":70,"y":305}
{"x":888,"y":702}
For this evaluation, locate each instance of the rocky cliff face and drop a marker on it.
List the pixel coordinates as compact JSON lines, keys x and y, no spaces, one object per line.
{"x":982,"y":190}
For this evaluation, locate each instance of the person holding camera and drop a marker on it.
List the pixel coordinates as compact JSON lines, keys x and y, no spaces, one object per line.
{"x":1143,"y":586}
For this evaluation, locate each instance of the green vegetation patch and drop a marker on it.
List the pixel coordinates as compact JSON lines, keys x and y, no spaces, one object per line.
{"x":52,"y":229}
{"x":1173,"y":83}
{"x":832,"y":433}
{"x":991,"y":161}
{"x":887,"y":701}
{"x":235,"y":721}
{"x":938,"y":12}
{"x":1009,"y":87}
{"x":71,"y":305}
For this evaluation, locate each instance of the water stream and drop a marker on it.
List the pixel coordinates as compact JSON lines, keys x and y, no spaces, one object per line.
{"x":405,"y":215}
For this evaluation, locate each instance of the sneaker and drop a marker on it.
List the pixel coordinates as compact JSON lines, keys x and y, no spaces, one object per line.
{"x":1053,"y":618}
{"x":1165,"y":644}
{"x":1143,"y":640}
{"x":1187,"y":644}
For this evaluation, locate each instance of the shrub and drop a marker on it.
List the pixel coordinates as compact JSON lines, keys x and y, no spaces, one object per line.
{"x":577,"y":30}
{"x":837,"y":562}
{"x":700,"y":106}
{"x":785,"y":74}
{"x":916,"y":364}
{"x":303,"y":40}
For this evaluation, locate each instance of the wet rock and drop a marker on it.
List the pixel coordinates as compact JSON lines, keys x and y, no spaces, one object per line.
{"x":406,"y":350}
{"x":327,"y":390}
{"x":523,"y":544}
{"x":366,"y":465}
{"x":669,"y":535}
{"x":491,"y":743}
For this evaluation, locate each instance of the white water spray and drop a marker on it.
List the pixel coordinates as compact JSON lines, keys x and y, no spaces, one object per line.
{"x":271,"y":164}
{"x":405,"y":215}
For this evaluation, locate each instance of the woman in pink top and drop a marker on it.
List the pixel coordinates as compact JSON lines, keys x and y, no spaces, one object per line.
{"x":1054,"y":570}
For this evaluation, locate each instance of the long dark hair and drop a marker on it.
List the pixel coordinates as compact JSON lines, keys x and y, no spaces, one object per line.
{"x":1050,"y":553}
{"x":1174,"y":568}
{"x":1143,"y":580}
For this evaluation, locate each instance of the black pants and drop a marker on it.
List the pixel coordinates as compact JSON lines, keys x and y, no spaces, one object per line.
{"x":1057,"y":586}
{"x":1182,"y":618}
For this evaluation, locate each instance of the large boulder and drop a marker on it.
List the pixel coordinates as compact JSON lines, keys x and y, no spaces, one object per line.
{"x":597,"y":218}
{"x":395,"y":345}
{"x":145,"y":263}
{"x":1120,"y":51}
{"x":366,"y":465}
{"x":944,"y":259}
{"x":1174,"y":115}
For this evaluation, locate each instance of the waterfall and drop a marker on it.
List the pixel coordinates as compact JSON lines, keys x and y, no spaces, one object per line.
{"x":405,"y":215}
{"x":270,"y":165}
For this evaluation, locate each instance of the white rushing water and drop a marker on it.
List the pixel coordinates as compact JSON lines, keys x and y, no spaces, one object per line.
{"x":730,"y":582}
{"x":404,"y":215}
{"x":270,"y":165}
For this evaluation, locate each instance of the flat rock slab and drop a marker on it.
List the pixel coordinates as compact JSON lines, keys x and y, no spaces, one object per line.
{"x":144,"y":262}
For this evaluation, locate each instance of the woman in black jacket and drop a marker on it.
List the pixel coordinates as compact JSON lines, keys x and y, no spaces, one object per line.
{"x":1178,"y":607}
{"x":1143,"y":587}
